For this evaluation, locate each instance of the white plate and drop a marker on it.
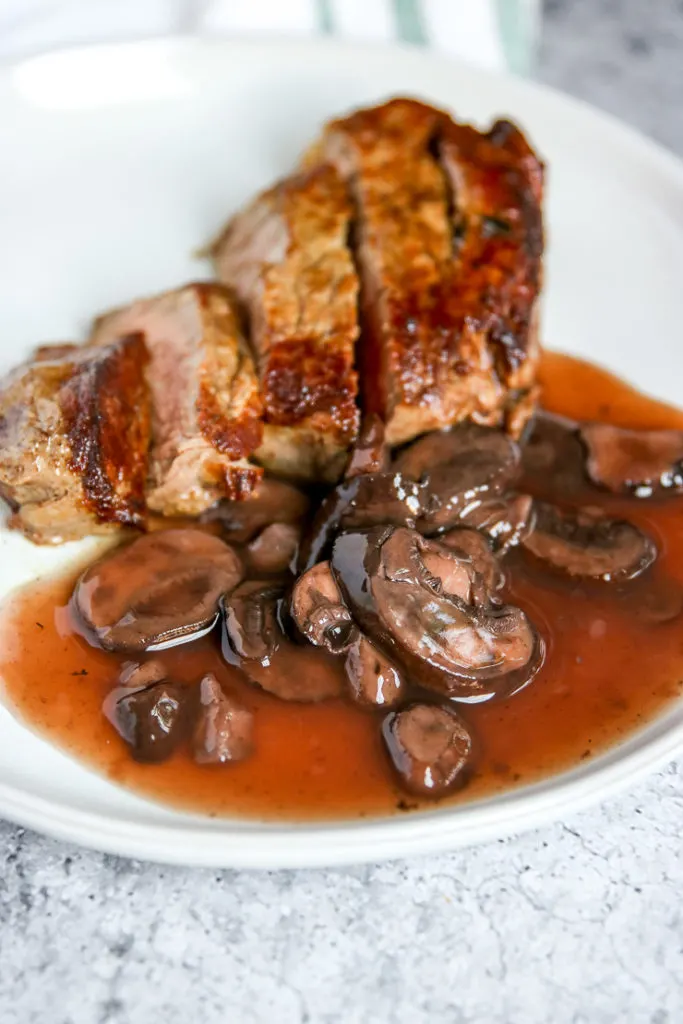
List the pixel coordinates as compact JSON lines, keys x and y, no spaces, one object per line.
{"x":118,"y":161}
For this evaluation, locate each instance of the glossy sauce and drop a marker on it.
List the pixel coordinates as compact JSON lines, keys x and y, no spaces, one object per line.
{"x":615,"y":659}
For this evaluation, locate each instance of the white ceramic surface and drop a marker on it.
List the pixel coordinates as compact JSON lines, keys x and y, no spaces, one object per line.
{"x":118,"y":161}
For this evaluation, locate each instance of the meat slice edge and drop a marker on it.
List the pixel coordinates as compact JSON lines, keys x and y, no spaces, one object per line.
{"x":445,"y":337}
{"x":74,"y":437}
{"x":206,"y":410}
{"x":287,"y":259}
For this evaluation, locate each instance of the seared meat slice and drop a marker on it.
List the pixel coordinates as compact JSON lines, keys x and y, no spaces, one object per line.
{"x":74,"y":437}
{"x":205,"y":404}
{"x":449,"y":246}
{"x":497,"y":185}
{"x":287,"y":259}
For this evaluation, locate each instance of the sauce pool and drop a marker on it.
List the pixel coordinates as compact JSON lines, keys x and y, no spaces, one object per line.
{"x":614,"y":661}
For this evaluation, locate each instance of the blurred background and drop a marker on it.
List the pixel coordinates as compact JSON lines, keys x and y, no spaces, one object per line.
{"x":623,"y":55}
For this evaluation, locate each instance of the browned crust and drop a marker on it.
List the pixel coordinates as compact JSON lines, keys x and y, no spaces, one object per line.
{"x":449,"y":246}
{"x":498,"y":188}
{"x":106,"y":411}
{"x":239,"y":434}
{"x":287,"y":259}
{"x":241,"y":481}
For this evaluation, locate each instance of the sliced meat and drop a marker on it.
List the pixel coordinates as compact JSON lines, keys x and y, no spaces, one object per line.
{"x":370,"y":453}
{"x":254,"y":641}
{"x":74,"y":437}
{"x":414,"y":599}
{"x":585,"y":542}
{"x":373,"y":680}
{"x":506,"y":521}
{"x":449,"y":258}
{"x":273,"y":501}
{"x":161,"y":590}
{"x":458,"y":469}
{"x":152,"y":721}
{"x":318,"y":610}
{"x":206,"y":410}
{"x":287,"y":259}
{"x":274,"y":549}
{"x":428,"y":745}
{"x":224,"y":728}
{"x":497,"y":183}
{"x":640,"y":462}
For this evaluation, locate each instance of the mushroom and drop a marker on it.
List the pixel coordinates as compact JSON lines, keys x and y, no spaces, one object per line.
{"x":370,"y":453}
{"x":412,"y":598}
{"x":586,"y":543}
{"x":373,"y":680}
{"x":428,"y":745}
{"x":152,"y":720}
{"x":252,"y":619}
{"x":142,"y":673}
{"x":274,"y":548}
{"x":318,"y":609}
{"x":254,"y":640}
{"x":457,"y":467}
{"x":505,"y":520}
{"x":273,"y":502}
{"x":642,"y":462}
{"x":477,"y":548}
{"x":369,"y":500}
{"x":161,"y":590}
{"x":224,"y":728}
{"x":553,"y":457}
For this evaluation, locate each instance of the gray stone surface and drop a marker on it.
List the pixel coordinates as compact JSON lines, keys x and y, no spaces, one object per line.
{"x":580,"y":923}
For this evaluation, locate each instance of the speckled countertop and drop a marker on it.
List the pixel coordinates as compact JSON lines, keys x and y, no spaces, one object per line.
{"x":579,"y":923}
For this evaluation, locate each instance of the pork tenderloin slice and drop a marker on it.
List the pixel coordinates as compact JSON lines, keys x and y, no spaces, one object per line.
{"x":438,"y":325}
{"x":496,"y":182}
{"x":206,"y":410}
{"x":74,"y":439}
{"x":287,"y":259}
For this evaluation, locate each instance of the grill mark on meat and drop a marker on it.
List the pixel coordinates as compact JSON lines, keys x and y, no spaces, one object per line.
{"x":286,"y":258}
{"x":107,"y":415}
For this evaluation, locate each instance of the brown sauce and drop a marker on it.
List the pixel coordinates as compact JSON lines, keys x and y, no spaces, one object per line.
{"x":611,"y":666}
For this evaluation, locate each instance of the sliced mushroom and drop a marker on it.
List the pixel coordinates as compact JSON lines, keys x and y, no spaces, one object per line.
{"x":139,"y":674}
{"x":370,"y":453}
{"x":224,"y":727}
{"x":409,"y":600}
{"x":274,"y":502}
{"x":477,"y":548}
{"x":553,"y":457}
{"x":251,"y":616}
{"x":153,"y":721}
{"x":274,"y":549}
{"x":642,"y":462}
{"x":429,"y":746}
{"x":369,"y":500}
{"x":458,"y":467}
{"x":318,"y":609}
{"x":586,"y":543}
{"x":505,"y":520}
{"x":254,"y":640}
{"x":373,"y":680}
{"x":161,"y":590}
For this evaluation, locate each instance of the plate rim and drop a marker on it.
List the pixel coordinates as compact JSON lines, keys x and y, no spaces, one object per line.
{"x":286,"y":845}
